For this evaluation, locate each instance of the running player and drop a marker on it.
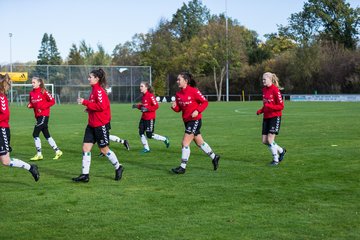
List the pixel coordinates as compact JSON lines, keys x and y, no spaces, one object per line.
{"x":148,"y":107}
{"x":273,"y":105}
{"x":41,"y":101}
{"x":97,"y":130}
{"x":5,"y":148}
{"x":192,"y":103}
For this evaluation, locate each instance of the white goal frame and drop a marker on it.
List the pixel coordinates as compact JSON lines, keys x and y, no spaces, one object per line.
{"x":47,"y":85}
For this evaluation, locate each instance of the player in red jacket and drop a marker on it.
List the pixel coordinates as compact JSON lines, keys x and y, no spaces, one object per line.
{"x":192,"y":103}
{"x":5,"y":148}
{"x":41,"y":101}
{"x":148,"y":107}
{"x":97,"y":130}
{"x":273,"y":105}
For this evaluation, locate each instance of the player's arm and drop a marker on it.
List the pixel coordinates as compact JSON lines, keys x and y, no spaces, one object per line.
{"x":175,"y":106}
{"x":94,"y":106}
{"x":203,"y":102}
{"x":278,"y":104}
{"x":260,"y":111}
{"x":136,"y":105}
{"x":153,"y":106}
{"x":30,"y":105}
{"x":50,"y":101}
{"x":100,"y":103}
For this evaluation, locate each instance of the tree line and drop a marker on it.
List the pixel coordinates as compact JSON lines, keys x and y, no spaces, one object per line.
{"x":317,"y":51}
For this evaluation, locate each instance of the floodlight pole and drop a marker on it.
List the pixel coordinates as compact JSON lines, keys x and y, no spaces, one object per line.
{"x":131,"y":86}
{"x":10,"y":36}
{"x":227,"y":53}
{"x":150,"y":76}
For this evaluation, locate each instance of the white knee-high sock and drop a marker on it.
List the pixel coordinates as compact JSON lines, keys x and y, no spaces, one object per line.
{"x":14,"y":162}
{"x":273,"y":150}
{"x":86,"y":161}
{"x":52,"y":143}
{"x":38,"y":145}
{"x":158,"y":137}
{"x":207,"y":149}
{"x":185,"y":155}
{"x":145,"y":142}
{"x":113,"y":159}
{"x":116,"y":139}
{"x":279,"y":149}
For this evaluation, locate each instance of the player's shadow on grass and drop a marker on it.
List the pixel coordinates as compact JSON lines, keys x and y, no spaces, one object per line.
{"x":17,"y":183}
{"x":150,"y":164}
{"x":159,"y":160}
{"x":58,"y":173}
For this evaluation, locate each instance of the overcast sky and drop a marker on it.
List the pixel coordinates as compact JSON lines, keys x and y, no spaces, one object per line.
{"x":110,"y":22}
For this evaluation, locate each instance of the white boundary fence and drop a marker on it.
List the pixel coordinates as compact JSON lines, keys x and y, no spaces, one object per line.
{"x":326,"y":98}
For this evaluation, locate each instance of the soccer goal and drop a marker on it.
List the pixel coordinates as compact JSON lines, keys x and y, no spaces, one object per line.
{"x":19,"y":92}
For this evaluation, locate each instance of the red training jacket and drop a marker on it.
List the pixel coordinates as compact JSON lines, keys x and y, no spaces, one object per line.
{"x":273,"y":102}
{"x":148,"y":100}
{"x":98,"y":107}
{"x":188,"y":100}
{"x":40,"y":102}
{"x":4,"y":111}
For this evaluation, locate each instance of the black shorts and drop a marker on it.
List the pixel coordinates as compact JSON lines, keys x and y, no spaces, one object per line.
{"x":271,"y":125}
{"x":146,"y":126}
{"x":41,"y":126}
{"x":42,"y":122}
{"x":99,"y":135}
{"x":4,"y":141}
{"x":193,"y":127}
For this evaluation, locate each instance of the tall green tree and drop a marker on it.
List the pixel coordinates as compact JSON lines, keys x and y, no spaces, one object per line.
{"x":55,"y":58}
{"x":255,"y":52}
{"x":339,"y":21}
{"x":74,"y":57}
{"x":87,"y":52}
{"x":302,"y":28}
{"x":188,"y":20}
{"x":44,"y":56}
{"x":101,"y":57}
{"x":85,"y":55}
{"x":48,"y":53}
{"x":158,"y":50}
{"x":208,"y":52}
{"x":330,"y":20}
{"x":128,"y":53}
{"x":276,"y":44}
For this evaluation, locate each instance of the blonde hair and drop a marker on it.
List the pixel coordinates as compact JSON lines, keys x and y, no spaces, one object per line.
{"x":274,"y":79}
{"x":4,"y":79}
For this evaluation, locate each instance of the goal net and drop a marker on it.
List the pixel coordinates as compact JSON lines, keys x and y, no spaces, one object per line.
{"x":19,"y":93}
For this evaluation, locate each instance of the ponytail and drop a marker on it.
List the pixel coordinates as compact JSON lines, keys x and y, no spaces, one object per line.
{"x":100,"y":73}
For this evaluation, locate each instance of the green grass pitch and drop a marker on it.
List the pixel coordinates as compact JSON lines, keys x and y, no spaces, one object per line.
{"x":313,"y":194}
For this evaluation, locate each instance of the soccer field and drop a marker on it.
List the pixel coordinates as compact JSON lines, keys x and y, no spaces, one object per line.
{"x":313,"y":194}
